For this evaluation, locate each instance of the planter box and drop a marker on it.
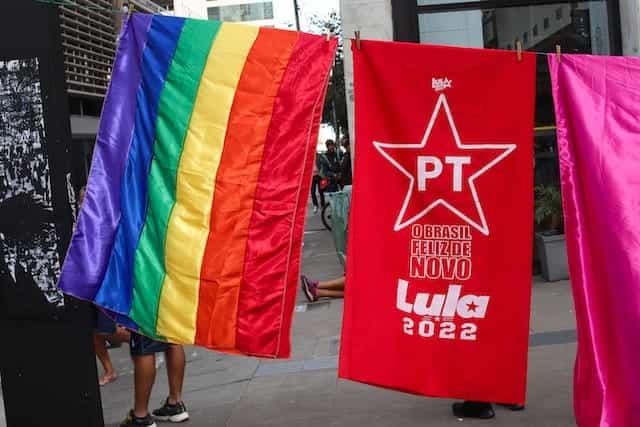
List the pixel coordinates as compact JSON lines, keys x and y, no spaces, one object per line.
{"x":552,"y":250}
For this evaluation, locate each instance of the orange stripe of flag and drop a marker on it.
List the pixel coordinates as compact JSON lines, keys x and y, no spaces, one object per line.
{"x":235,"y":187}
{"x":273,"y":246}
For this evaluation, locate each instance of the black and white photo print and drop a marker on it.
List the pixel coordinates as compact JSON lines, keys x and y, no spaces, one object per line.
{"x":28,"y":238}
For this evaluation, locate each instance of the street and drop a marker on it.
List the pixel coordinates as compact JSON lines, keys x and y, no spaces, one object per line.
{"x":222,"y":390}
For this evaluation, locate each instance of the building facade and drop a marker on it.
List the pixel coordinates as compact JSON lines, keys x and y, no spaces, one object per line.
{"x":89,"y":30}
{"x":190,"y":8}
{"x":274,"y":13}
{"x":601,"y":27}
{"x":257,"y":12}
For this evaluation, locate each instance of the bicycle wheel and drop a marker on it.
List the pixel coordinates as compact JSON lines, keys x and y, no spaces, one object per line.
{"x":326,"y":216}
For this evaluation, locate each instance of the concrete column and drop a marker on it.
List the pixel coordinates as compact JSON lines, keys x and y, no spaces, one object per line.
{"x":373,"y":19}
{"x":630,"y":27}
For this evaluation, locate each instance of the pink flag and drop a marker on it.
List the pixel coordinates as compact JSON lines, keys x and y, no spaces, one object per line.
{"x":597,"y":102}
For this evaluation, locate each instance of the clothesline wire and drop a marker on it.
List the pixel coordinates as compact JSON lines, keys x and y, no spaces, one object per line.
{"x":536,"y":52}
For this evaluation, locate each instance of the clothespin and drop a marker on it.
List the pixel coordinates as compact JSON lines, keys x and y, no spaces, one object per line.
{"x":558,"y":52}
{"x":357,"y":34}
{"x":131,"y":8}
{"x":519,"y":50}
{"x":328,"y":36}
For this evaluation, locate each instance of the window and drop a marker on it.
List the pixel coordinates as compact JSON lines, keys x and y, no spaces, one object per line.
{"x":579,"y":27}
{"x":242,"y":12}
{"x":499,"y":28}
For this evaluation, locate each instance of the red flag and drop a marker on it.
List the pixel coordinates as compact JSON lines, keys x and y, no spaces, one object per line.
{"x":439,"y":255}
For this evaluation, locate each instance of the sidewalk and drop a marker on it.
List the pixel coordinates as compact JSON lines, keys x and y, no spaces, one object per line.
{"x":222,"y":390}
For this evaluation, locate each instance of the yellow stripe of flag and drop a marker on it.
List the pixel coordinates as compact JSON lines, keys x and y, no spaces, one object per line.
{"x":189,"y":223}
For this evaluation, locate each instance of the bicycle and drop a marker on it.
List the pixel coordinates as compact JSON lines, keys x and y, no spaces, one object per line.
{"x":326,"y":214}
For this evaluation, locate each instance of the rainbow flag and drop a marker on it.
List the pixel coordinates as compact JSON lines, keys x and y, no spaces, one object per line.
{"x":191,"y":228}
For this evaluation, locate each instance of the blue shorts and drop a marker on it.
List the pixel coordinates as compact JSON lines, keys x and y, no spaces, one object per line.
{"x":102,"y":324}
{"x":144,"y":346}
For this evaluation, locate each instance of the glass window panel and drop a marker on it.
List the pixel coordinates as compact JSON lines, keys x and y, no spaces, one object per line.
{"x":213,"y":13}
{"x":242,"y":12}
{"x":462,"y":28}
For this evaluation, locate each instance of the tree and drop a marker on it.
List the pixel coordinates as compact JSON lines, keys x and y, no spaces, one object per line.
{"x":335,"y":105}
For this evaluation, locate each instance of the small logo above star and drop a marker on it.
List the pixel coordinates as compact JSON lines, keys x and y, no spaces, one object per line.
{"x":440,"y":84}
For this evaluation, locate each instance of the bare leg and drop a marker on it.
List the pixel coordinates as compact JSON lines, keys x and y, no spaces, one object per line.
{"x":335,"y":284}
{"x":103,"y":355}
{"x":121,"y":335}
{"x":176,"y":361}
{"x":323,"y":293}
{"x":144,"y":376}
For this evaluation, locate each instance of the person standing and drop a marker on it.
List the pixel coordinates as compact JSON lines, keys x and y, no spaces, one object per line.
{"x":104,"y":329}
{"x":315,"y":185}
{"x":329,"y":166}
{"x":346,"y":176}
{"x":143,"y":351}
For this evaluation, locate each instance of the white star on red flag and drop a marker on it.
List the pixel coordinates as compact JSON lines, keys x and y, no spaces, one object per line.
{"x":454,"y":168}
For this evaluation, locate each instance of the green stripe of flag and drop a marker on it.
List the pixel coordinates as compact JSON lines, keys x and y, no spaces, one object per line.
{"x":174,"y":112}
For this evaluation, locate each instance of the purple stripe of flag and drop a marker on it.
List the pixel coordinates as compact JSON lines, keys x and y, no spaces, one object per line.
{"x":92,"y":241}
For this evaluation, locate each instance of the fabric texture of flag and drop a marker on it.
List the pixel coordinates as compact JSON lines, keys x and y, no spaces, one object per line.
{"x":597,"y":104}
{"x":192,"y":224}
{"x":440,"y":234}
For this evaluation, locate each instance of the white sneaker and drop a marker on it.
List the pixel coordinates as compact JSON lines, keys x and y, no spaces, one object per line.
{"x":315,"y":209}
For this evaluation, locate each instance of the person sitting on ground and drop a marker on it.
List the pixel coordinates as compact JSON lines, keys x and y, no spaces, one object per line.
{"x":314,"y":289}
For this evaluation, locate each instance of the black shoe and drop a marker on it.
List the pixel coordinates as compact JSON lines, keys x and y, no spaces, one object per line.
{"x":512,"y":407}
{"x":173,"y":413}
{"x":133,"y":421}
{"x":469,"y":409}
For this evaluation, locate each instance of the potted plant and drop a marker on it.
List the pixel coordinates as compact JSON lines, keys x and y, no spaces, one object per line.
{"x":550,"y":241}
